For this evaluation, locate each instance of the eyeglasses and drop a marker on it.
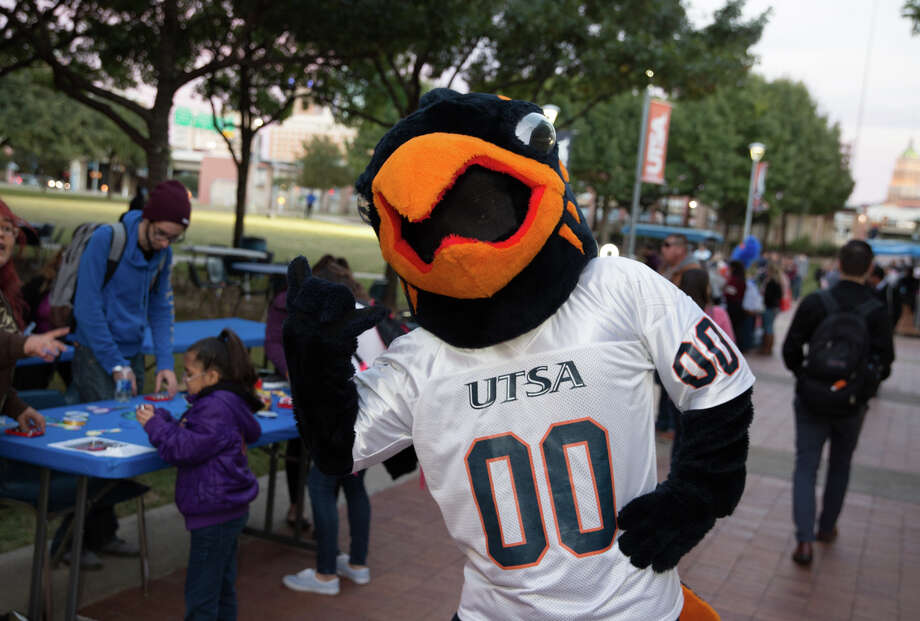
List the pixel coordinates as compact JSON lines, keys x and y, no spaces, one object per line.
{"x":7,"y":229}
{"x":161,"y":235}
{"x":186,"y":377}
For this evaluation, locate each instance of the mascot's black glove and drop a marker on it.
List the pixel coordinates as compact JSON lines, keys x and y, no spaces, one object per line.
{"x":320,"y":337}
{"x":706,"y":482}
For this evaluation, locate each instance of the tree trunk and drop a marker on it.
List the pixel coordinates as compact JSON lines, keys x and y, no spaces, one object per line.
{"x":158,"y":150}
{"x":242,"y":184}
{"x":604,"y":226}
{"x":782,"y":232}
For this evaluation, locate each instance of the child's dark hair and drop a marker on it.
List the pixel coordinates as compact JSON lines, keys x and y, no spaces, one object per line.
{"x":227,"y":355}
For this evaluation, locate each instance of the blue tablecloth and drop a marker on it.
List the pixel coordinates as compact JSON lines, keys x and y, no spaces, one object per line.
{"x":185,"y":333}
{"x":37,"y":450}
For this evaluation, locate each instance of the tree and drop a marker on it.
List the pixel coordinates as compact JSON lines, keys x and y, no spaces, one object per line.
{"x":323,"y":165}
{"x":541,"y":50}
{"x":260,"y":96}
{"x":45,"y":130}
{"x":98,"y":50}
{"x":708,"y":150}
{"x":911,"y":10}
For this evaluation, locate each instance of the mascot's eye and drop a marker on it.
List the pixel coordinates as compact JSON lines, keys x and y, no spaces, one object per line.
{"x":537,"y":132}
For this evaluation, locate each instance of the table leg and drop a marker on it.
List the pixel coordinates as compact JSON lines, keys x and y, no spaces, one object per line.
{"x":39,"y":555}
{"x":302,"y":480}
{"x":272,"y":475}
{"x":79,"y":520}
{"x":142,"y":544}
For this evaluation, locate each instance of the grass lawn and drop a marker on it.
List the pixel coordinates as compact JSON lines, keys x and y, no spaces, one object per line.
{"x":287,"y":237}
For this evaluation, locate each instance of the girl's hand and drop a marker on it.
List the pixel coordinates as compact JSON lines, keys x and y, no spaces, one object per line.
{"x":144,"y":413}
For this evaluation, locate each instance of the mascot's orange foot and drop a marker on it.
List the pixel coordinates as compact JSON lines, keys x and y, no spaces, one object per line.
{"x":695,"y":609}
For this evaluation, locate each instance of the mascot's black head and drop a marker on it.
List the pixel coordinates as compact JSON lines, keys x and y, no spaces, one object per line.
{"x":474,"y":212}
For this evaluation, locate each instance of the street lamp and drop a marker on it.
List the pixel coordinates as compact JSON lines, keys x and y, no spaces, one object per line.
{"x":757,"y":150}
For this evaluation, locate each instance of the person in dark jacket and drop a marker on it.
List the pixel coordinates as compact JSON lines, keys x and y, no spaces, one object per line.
{"x":733,"y":292}
{"x":887,"y":292}
{"x":214,"y":484}
{"x":842,"y":428}
{"x":772,"y":302}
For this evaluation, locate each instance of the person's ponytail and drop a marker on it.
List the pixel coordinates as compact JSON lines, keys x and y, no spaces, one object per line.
{"x":239,"y":366}
{"x":228,"y":356}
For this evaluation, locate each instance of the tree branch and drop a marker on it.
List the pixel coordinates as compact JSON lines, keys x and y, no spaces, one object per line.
{"x":22,"y":64}
{"x":386,"y":82}
{"x":220,"y":131}
{"x":60,"y":81}
{"x":466,"y":57}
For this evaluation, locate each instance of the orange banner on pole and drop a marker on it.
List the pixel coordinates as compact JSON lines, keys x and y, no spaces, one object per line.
{"x":656,"y":142}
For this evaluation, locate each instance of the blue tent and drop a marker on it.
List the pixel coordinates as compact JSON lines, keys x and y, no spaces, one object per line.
{"x":659,"y":231}
{"x":895,"y":247}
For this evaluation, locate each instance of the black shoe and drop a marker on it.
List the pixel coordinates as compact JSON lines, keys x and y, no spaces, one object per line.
{"x":119,"y":547}
{"x":89,"y":561}
{"x":827,"y":536}
{"x":304,"y":524}
{"x":803,"y":554}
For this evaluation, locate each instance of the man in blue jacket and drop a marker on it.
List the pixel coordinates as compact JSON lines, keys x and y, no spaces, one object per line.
{"x":111,"y":316}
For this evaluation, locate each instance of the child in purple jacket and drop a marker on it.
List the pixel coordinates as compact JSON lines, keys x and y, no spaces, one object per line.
{"x":214,"y":484}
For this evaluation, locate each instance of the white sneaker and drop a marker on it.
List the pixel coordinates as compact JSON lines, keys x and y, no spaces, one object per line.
{"x":358,"y":576}
{"x":307,"y":581}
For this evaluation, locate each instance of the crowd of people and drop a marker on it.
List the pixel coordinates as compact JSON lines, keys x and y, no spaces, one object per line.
{"x":852,"y":313}
{"x":116,"y":299}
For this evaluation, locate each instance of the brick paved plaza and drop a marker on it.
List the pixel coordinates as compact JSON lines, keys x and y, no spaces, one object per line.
{"x":743,"y":566}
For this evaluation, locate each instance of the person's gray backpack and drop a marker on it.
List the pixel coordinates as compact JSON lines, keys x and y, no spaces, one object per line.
{"x":64,"y":286}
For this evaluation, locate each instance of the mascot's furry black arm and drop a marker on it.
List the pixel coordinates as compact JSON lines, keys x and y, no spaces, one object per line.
{"x":320,"y":337}
{"x":706,"y":482}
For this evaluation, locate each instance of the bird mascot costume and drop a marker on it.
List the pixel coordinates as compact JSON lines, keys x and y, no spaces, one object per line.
{"x":528,"y":390}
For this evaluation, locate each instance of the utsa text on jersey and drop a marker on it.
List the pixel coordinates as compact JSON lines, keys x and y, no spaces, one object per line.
{"x":537,"y":378}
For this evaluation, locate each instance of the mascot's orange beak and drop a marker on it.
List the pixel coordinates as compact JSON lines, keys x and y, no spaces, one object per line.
{"x":414,"y":180}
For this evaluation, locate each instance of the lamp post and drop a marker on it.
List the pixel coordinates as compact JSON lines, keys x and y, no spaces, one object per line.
{"x":757,"y":150}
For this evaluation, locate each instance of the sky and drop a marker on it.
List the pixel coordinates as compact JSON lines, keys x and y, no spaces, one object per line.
{"x":824,"y":44}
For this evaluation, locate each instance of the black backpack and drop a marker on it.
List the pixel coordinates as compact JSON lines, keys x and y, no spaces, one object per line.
{"x":838,"y":374}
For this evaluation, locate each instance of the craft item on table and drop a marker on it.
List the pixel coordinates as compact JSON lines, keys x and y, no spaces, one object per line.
{"x":96,"y":409}
{"x":266,"y":401}
{"x":274,"y":385}
{"x":7,"y":422}
{"x":31,"y":433}
{"x":103,"y":447}
{"x":267,"y":414}
{"x":160,"y":396}
{"x":99,"y":432}
{"x":129,"y":414}
{"x":286,"y":403}
{"x":69,"y":425}
{"x":76,"y":415}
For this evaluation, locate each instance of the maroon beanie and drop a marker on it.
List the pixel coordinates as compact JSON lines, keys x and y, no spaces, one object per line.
{"x":168,"y":203}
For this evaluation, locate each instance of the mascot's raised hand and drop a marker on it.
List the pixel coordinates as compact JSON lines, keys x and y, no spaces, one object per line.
{"x":320,"y":338}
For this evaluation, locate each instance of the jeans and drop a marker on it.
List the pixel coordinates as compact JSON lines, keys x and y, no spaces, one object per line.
{"x":323,"y":491}
{"x":768,"y":316}
{"x":810,"y":434}
{"x":22,"y":481}
{"x":210,"y":581}
{"x":294,"y":448}
{"x":92,"y":382}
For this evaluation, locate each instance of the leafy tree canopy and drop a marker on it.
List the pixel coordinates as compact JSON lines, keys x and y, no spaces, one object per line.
{"x":323,"y":165}
{"x":44,"y":129}
{"x":541,"y":50}
{"x":911,"y":10}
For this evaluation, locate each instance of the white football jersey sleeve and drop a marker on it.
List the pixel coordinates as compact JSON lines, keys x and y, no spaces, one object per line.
{"x":530,"y":447}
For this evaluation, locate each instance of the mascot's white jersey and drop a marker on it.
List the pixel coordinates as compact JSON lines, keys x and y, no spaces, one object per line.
{"x":532,"y":446}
